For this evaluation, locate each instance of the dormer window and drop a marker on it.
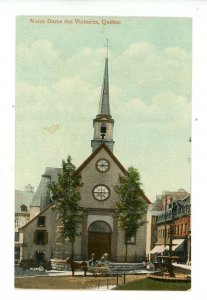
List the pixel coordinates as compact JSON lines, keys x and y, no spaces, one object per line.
{"x":23,"y":208}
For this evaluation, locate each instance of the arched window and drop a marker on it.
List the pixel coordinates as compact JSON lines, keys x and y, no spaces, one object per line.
{"x":99,"y":226}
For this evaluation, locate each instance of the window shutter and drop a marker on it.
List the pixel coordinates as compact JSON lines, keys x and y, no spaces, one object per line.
{"x":46,"y":238}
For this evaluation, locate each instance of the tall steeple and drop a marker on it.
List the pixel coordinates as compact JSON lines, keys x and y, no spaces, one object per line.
{"x":103,"y":123}
{"x":104,"y":108}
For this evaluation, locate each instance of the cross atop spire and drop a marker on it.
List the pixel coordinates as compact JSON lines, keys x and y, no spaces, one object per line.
{"x":107,"y":48}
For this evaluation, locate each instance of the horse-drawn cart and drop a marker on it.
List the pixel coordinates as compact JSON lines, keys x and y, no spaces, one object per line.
{"x":97,"y":269}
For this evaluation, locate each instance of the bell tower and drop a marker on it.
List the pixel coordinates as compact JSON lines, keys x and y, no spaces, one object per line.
{"x":103,"y":123}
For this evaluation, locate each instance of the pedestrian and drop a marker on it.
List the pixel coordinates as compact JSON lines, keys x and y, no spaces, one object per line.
{"x":144,"y":264}
{"x":92,"y":261}
{"x":105,"y":257}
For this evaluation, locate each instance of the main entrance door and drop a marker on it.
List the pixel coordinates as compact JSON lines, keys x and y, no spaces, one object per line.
{"x":99,"y":239}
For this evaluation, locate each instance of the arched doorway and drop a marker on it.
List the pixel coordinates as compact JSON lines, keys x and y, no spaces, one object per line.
{"x":99,"y":239}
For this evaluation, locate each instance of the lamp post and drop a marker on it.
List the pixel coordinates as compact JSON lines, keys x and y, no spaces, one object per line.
{"x":169,"y":258}
{"x":165,"y":235}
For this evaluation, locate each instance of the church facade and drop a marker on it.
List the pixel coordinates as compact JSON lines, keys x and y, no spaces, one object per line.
{"x":98,"y":229}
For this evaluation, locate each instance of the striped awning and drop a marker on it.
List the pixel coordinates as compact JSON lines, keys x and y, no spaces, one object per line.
{"x":158,"y":249}
{"x":177,"y":244}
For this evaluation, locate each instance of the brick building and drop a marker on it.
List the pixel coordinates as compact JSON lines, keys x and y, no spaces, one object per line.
{"x":178,"y":214}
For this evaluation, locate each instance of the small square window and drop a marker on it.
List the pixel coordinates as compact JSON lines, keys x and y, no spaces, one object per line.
{"x":40,"y":237}
{"x":41,"y":221}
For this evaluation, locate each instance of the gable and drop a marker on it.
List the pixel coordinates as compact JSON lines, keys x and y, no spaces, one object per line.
{"x":89,"y":172}
{"x":113,"y":168}
{"x":94,"y":154}
{"x":98,"y":186}
{"x":46,"y":210}
{"x":98,"y":191}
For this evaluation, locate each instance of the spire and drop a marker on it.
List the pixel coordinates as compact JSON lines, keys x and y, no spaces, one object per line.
{"x":104,"y":108}
{"x":103,"y":123}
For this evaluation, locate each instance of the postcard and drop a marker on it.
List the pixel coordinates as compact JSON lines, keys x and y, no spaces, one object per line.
{"x":103,"y":153}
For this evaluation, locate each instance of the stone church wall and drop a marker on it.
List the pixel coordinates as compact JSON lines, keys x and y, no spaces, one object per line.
{"x":91,"y":177}
{"x":137,"y":251}
{"x":94,"y":210}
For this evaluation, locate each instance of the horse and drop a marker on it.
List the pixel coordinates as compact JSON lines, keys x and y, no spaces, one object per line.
{"x":75,"y":265}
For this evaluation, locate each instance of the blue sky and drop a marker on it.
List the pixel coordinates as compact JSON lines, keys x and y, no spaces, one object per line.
{"x":59,"y":71}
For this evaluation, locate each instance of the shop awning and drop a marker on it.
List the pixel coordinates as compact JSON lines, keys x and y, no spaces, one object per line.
{"x":158,"y":249}
{"x":178,"y":245}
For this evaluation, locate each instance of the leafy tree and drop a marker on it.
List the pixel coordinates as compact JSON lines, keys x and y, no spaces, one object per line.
{"x":66,"y":196}
{"x":130,"y":204}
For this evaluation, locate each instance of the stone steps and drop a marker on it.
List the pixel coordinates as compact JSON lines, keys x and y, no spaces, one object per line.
{"x":59,"y":265}
{"x":114,"y":266}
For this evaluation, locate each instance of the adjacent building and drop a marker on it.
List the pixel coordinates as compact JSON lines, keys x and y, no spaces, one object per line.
{"x":177,"y":212}
{"x":151,"y":235}
{"x":23,"y":200}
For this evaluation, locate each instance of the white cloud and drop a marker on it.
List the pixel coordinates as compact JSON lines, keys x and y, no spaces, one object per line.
{"x":40,"y":51}
{"x":33,"y":101}
{"x":149,"y":99}
{"x":149,"y":71}
{"x":44,"y":63}
{"x":141,"y":70}
{"x":167,"y":111}
{"x":72,"y":87}
{"x":41,"y":63}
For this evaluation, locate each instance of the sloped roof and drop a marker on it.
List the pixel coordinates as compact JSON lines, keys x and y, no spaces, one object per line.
{"x":42,"y":211}
{"x":102,"y":146}
{"x":52,"y":173}
{"x":186,"y":198}
{"x":22,"y":198}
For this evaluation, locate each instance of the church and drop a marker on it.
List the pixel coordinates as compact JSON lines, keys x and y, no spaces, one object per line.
{"x":98,"y":229}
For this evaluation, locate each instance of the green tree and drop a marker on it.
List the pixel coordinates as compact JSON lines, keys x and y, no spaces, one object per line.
{"x":66,"y":197}
{"x":130,"y":204}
